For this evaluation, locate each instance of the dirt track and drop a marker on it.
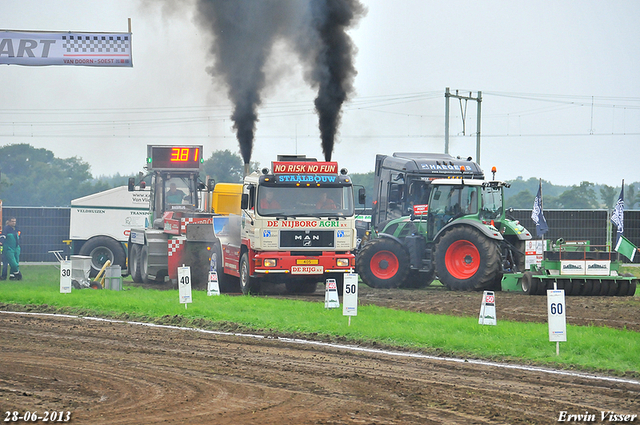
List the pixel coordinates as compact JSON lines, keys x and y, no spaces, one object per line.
{"x":117,"y":373}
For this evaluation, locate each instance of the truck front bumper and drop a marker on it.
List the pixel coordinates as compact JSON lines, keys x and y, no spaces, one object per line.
{"x":300,"y":265}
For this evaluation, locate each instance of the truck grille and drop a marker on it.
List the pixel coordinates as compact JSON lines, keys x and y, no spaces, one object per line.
{"x":307,"y":239}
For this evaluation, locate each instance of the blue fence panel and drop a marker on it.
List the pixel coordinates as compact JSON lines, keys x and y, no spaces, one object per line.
{"x":41,"y":230}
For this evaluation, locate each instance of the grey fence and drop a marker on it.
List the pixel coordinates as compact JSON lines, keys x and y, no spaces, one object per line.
{"x":41,"y":230}
{"x":45,"y":229}
{"x":591,"y":225}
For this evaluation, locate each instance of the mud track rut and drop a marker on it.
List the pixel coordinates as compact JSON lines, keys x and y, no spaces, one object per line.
{"x":118,"y":373}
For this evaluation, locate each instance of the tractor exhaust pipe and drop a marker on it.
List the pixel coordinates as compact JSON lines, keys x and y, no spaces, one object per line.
{"x":247,"y":170}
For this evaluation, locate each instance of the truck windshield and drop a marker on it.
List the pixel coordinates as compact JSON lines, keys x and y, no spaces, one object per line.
{"x":298,"y":201}
{"x":491,"y":203}
{"x":418,"y":192}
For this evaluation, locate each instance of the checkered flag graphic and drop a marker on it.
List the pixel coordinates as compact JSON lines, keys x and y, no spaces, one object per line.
{"x":96,"y":43}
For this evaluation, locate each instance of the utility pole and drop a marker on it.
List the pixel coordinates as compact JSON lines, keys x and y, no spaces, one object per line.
{"x":447,"y":95}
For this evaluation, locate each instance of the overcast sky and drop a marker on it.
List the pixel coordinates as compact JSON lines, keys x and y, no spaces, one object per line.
{"x":560,"y":83}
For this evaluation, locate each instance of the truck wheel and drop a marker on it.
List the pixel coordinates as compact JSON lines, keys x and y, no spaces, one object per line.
{"x":529,"y":284}
{"x":101,"y":249}
{"x":248,"y":284}
{"x":466,"y":259}
{"x":227,"y":284}
{"x":383,"y":263}
{"x":134,"y":262}
{"x":417,"y":279}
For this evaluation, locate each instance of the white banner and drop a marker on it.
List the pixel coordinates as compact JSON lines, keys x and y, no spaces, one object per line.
{"x":65,"y":48}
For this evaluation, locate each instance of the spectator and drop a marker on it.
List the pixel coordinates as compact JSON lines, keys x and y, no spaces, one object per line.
{"x":10,"y":239}
{"x":5,"y":264}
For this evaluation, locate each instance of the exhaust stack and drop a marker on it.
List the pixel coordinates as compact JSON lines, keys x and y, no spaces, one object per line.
{"x":247,"y":170}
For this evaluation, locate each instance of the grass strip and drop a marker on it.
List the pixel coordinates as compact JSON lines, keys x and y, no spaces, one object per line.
{"x":588,"y":348}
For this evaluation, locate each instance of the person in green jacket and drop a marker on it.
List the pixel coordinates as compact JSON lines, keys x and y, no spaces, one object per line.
{"x":10,"y":239}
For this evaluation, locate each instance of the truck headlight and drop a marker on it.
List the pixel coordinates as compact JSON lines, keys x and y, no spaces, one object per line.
{"x":342,"y":262}
{"x":270,"y":262}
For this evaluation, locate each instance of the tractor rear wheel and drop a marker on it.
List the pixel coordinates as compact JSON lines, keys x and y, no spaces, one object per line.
{"x":467,"y":260}
{"x":383,"y":263}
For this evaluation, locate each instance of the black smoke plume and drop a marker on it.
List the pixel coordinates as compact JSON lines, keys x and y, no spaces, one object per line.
{"x":244,"y":32}
{"x":332,"y":65}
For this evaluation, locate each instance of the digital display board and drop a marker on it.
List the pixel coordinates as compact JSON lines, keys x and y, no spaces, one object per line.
{"x":174,"y":157}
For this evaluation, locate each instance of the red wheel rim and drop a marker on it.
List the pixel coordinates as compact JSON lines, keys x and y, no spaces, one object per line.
{"x":384,"y":264}
{"x":462,"y":259}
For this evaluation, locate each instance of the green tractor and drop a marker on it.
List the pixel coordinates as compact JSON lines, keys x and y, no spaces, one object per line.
{"x":461,"y":236}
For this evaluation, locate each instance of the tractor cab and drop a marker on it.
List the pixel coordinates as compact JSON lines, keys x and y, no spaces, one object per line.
{"x":173,"y":177}
{"x":173,"y":192}
{"x":474,"y":200}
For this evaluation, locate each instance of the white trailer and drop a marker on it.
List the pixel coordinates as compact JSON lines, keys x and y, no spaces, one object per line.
{"x":101,"y":223}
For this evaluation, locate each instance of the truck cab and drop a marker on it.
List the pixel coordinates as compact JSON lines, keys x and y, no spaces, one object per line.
{"x":403,"y":180}
{"x":297,"y":226}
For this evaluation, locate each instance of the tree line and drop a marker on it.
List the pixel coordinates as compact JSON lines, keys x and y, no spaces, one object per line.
{"x":35,"y":177}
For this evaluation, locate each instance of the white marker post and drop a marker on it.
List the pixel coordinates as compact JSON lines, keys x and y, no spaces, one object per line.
{"x":488,"y":309}
{"x":65,"y":276}
{"x":184,"y":285}
{"x":350,"y":296}
{"x":331,"y":294}
{"x":557,"y":317}
{"x":213,"y":286}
